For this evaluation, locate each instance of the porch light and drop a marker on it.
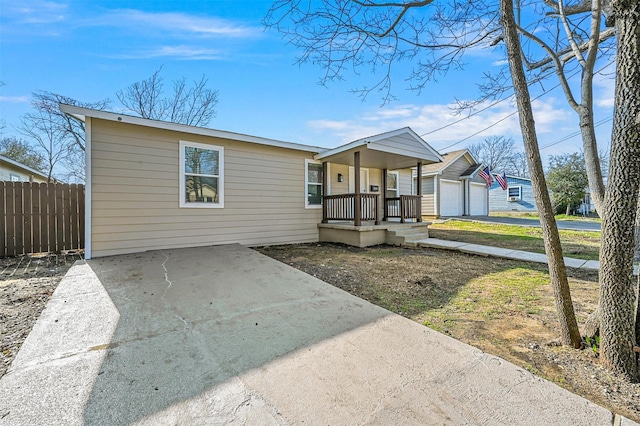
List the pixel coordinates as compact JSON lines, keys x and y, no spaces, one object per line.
{"x":340,"y":177}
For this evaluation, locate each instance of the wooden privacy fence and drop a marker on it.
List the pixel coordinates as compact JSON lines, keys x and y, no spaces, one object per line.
{"x":40,"y":217}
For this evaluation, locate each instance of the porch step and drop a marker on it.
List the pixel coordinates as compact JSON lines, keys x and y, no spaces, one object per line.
{"x":409,"y":234}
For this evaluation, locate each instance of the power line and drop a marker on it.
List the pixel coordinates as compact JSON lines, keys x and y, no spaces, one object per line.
{"x":507,"y":116}
{"x":480,"y":131}
{"x":501,"y":120}
{"x":574,"y":134}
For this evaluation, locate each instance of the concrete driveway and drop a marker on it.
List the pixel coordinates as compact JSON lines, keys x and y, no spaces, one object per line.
{"x":578,"y":225}
{"x":223,"y":334}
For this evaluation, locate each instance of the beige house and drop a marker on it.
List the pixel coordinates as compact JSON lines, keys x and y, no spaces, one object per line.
{"x":453,"y":187}
{"x":13,"y":171}
{"x":157,"y":185}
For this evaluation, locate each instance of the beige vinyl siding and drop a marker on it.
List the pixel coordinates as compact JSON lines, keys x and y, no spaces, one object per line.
{"x":375,"y":178}
{"x":135,"y":193}
{"x":336,"y":187}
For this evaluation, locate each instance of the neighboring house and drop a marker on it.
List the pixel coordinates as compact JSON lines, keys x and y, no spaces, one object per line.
{"x":518,"y":197}
{"x":13,"y":171}
{"x":453,"y":187}
{"x":158,"y":185}
{"x":587,"y":206}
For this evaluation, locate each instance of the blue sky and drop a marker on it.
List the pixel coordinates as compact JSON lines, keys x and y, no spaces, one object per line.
{"x":88,"y":50}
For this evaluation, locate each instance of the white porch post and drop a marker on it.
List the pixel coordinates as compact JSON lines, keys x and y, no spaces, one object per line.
{"x":419,"y":192}
{"x":324,"y":191}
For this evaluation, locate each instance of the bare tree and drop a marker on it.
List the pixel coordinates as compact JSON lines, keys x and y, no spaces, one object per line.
{"x":519,"y":166}
{"x":568,"y":324}
{"x":69,"y":131}
{"x":40,"y":126}
{"x":571,"y":34}
{"x":194,"y":106}
{"x":369,"y":37}
{"x":497,"y":152}
{"x":48,"y":104}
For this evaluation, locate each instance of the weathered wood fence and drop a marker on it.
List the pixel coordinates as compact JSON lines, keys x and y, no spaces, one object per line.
{"x":40,"y":217}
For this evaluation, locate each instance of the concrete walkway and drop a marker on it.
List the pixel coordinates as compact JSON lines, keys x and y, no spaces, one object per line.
{"x":225,"y":335}
{"x":571,"y":262}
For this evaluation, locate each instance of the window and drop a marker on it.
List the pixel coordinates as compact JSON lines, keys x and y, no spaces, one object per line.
{"x":313,"y":184}
{"x":392,"y":185}
{"x":514,"y":191}
{"x":201,"y":175}
{"x":14,"y":178}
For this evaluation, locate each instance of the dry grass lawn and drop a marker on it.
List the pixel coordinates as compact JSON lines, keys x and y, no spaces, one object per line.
{"x":578,"y":244}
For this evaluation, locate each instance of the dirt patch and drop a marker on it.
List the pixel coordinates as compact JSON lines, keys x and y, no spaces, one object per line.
{"x":501,"y":306}
{"x":26,"y":284}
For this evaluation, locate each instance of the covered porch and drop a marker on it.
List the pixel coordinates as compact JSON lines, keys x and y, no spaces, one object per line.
{"x":374,"y":210}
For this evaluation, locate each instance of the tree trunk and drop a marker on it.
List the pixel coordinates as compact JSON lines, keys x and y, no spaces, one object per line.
{"x":568,"y":212}
{"x":637,"y":255}
{"x":591,"y":155}
{"x":617,"y":284}
{"x":570,"y":334}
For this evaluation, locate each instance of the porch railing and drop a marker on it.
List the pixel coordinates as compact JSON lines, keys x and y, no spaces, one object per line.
{"x":405,"y":207}
{"x":351,"y":207}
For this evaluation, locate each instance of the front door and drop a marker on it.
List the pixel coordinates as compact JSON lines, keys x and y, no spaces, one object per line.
{"x":364,"y":180}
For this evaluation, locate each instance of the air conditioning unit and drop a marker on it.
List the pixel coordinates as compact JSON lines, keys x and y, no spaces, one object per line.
{"x":514,"y":198}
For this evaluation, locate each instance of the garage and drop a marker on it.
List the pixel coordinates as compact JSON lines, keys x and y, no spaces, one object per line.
{"x":450,"y":198}
{"x":478,"y":199}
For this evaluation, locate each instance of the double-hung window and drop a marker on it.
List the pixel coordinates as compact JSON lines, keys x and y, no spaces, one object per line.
{"x":313,"y":184}
{"x":201,"y":175}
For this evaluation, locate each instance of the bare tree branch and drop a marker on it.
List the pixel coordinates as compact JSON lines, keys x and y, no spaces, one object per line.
{"x":194,"y":106}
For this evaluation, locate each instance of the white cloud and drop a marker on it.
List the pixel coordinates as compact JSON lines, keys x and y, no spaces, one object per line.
{"x":16,"y":99}
{"x":187,"y":52}
{"x":501,"y":120}
{"x":34,"y":11}
{"x":179,"y":52}
{"x":604,"y":91}
{"x":181,"y":24}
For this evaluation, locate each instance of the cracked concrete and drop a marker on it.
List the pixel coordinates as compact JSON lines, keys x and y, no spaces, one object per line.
{"x":166,"y":272}
{"x":246,"y":339}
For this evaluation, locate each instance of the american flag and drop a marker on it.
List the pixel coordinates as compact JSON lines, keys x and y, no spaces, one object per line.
{"x":502,"y":180}
{"x":486,"y":175}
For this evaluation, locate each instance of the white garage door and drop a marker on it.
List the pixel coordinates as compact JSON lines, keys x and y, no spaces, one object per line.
{"x":478,"y":199}
{"x":450,"y":198}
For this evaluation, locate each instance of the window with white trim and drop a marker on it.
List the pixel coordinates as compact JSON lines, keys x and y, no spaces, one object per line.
{"x":514,"y":191}
{"x":392,"y":184}
{"x":201,"y":175}
{"x":313,"y":183}
{"x":14,"y":178}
